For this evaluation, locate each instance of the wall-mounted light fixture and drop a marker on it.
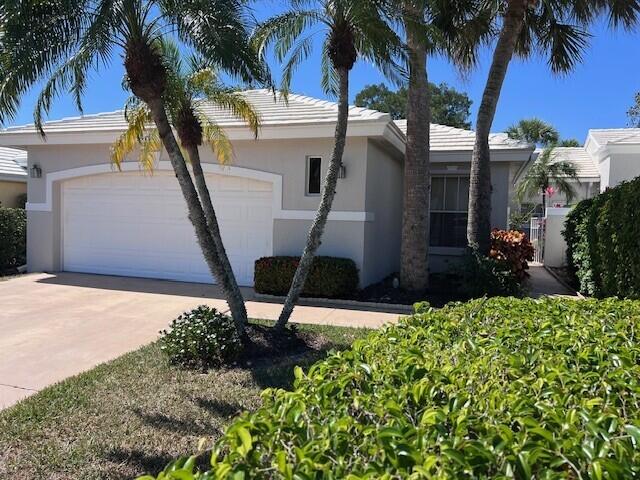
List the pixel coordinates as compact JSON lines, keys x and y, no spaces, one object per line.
{"x":342,"y":173}
{"x":36,"y":171}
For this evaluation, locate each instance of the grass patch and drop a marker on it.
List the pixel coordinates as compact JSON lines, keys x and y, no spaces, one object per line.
{"x":135,"y":414}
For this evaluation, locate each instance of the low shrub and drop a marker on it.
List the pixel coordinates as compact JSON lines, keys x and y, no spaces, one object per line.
{"x":499,"y":388}
{"x":602,"y":239}
{"x":514,"y":248}
{"x":13,"y":238}
{"x":329,"y":277}
{"x":202,"y":338}
{"x":480,"y":276}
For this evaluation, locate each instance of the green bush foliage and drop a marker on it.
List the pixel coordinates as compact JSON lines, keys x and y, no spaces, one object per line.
{"x":485,"y":276}
{"x":13,"y":238}
{"x":602,"y":239}
{"x":329,"y":277}
{"x":499,"y":388}
{"x":202,"y":338}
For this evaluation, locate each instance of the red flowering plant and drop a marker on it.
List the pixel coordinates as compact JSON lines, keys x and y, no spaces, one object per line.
{"x":514,"y":248}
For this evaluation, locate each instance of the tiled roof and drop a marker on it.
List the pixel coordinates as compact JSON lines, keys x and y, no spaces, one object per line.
{"x":451,"y":138}
{"x":618,"y":136}
{"x":578,"y":156}
{"x":13,"y":163}
{"x":298,"y":109}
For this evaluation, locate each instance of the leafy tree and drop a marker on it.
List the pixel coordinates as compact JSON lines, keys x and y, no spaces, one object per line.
{"x":634,"y":112}
{"x":60,"y":42}
{"x":448,"y":106}
{"x":546,"y":173}
{"x":190,"y":85}
{"x":352,"y":29}
{"x":525,"y":27}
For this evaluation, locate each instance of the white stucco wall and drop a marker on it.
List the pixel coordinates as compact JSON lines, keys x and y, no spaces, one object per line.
{"x":555,"y":248}
{"x":619,"y":167}
{"x":286,"y":158}
{"x":384,"y":199}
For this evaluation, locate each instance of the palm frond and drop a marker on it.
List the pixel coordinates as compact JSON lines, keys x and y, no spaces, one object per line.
{"x":239,"y":106}
{"x":217,"y":29}
{"x":217,"y":139}
{"x":134,"y":136}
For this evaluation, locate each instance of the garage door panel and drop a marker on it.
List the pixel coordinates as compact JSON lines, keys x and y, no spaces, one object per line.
{"x":136,"y":225}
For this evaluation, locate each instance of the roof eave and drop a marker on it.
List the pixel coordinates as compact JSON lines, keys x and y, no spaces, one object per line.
{"x":357,"y":128}
{"x":11,"y":177}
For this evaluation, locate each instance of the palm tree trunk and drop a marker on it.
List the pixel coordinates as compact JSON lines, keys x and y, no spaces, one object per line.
{"x":479,"y":215}
{"x":227,"y":278}
{"x":194,"y":207}
{"x":328,"y":192}
{"x":414,"y":274}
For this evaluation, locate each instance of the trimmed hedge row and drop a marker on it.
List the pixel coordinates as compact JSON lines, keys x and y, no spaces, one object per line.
{"x":329,"y":277}
{"x":498,"y":388}
{"x":603,"y":240}
{"x":13,"y":238}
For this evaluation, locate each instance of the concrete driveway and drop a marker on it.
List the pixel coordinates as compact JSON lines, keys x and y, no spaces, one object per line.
{"x":55,"y":326}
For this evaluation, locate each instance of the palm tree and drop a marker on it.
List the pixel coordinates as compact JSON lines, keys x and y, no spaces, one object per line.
{"x":189,"y":87}
{"x":546,"y":173}
{"x":61,"y":42}
{"x":353,"y":29}
{"x":526,"y":26}
{"x":535,"y":131}
{"x":452,"y":28}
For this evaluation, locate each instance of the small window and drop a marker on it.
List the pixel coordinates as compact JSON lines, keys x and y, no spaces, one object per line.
{"x":449,"y":199}
{"x":314,"y":175}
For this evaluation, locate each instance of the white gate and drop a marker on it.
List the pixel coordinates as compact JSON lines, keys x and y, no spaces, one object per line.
{"x":536,"y":235}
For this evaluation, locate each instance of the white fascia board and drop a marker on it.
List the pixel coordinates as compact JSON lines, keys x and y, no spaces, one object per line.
{"x":267,"y":132}
{"x":7,"y":177}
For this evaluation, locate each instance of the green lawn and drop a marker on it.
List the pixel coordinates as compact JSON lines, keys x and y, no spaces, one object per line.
{"x":135,"y":414}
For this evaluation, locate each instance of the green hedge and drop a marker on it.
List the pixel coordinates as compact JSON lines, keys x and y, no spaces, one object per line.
{"x":329,"y":277}
{"x":499,"y":388}
{"x":13,"y":238}
{"x":603,"y":240}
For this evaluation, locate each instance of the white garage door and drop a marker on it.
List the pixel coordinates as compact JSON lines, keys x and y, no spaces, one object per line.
{"x":135,"y":225}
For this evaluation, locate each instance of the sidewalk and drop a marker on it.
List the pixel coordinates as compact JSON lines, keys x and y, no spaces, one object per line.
{"x":542,"y":283}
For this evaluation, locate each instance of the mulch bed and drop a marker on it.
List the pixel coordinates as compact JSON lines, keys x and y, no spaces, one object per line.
{"x":265,"y":343}
{"x":442,"y":289}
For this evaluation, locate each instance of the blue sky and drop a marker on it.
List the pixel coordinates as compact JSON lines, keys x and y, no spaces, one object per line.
{"x":596,"y":95}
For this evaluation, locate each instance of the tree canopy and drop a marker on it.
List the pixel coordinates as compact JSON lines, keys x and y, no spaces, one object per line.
{"x":634,"y":112}
{"x":448,"y":105}
{"x":540,"y":133}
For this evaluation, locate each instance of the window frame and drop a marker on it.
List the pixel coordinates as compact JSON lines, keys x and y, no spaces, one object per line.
{"x":444,"y":176}
{"x":307,"y":190}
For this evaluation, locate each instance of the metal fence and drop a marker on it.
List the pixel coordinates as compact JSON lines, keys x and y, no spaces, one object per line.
{"x":536,"y":235}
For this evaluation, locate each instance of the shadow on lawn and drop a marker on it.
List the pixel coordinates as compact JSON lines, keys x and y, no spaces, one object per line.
{"x":265,"y":373}
{"x":139,"y":460}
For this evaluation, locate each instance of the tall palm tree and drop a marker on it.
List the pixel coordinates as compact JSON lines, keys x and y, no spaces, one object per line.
{"x":352,"y":29}
{"x":61,"y":42}
{"x":190,"y":86}
{"x":546,"y":173}
{"x":527,"y":26}
{"x":452,"y":28}
{"x":535,"y":131}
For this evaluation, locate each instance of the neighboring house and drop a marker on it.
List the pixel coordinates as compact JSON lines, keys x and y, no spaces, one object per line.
{"x":13,"y":177}
{"x":84,"y":216}
{"x":609,"y":156}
